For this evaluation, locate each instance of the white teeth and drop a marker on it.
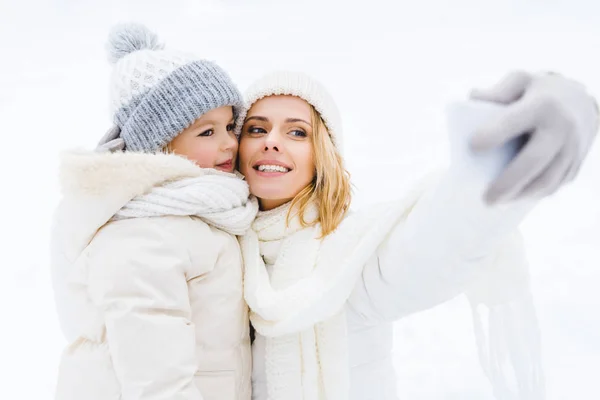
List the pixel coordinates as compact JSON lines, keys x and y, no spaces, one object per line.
{"x":272,"y":168}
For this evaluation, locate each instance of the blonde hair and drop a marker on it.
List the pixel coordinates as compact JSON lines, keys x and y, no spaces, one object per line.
{"x":330,"y":189}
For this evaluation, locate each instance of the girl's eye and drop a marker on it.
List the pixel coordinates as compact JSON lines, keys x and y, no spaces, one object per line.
{"x":255,"y":130}
{"x":208,"y":132}
{"x":298,"y":133}
{"x":230,"y":127}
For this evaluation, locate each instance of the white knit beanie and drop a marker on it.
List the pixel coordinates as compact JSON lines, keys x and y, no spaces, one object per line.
{"x":303,"y":86}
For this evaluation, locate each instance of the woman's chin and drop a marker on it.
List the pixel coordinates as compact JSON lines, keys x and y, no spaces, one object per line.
{"x":269,"y":192}
{"x":270,"y":202}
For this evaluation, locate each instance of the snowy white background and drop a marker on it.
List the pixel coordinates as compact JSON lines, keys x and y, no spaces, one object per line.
{"x":391,"y":65}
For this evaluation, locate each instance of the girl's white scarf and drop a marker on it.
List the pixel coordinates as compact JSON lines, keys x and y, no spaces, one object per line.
{"x":220,"y":199}
{"x":299,"y":308}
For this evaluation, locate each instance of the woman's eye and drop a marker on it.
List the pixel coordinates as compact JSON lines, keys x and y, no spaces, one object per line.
{"x":298,"y":133}
{"x":230,"y":127}
{"x":253,"y":130}
{"x":209,"y":132}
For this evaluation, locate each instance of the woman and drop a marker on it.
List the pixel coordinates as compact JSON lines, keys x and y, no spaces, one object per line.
{"x":146,"y":264}
{"x":325,"y":285}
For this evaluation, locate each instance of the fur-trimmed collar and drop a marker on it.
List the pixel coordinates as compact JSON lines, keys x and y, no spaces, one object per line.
{"x":95,"y":186}
{"x":132,"y":174}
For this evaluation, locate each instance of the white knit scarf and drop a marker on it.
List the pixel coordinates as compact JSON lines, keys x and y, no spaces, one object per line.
{"x":299,"y":308}
{"x":220,"y":199}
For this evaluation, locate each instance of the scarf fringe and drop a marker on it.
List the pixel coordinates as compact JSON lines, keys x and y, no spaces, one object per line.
{"x":509,"y":350}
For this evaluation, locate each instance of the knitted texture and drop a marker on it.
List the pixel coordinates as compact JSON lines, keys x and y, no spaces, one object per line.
{"x":220,"y":199}
{"x":299,"y":307}
{"x":295,"y":362}
{"x":155,"y":93}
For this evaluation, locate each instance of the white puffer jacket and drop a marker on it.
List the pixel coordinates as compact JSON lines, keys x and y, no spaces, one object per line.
{"x":152,"y":308}
{"x":448,"y":243}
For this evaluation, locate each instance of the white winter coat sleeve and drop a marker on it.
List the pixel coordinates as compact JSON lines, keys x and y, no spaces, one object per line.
{"x":434,"y":253}
{"x":137,"y":276}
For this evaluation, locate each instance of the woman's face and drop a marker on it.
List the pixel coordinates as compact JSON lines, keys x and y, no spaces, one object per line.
{"x":210,"y":141}
{"x":276,"y":153}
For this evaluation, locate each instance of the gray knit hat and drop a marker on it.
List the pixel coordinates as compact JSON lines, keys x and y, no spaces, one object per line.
{"x":157,"y":93}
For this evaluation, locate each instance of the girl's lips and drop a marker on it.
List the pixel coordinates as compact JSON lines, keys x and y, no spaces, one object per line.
{"x":226,"y":166}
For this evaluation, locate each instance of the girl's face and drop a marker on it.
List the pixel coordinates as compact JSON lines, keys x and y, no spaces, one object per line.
{"x":276,"y":153}
{"x":210,"y":141}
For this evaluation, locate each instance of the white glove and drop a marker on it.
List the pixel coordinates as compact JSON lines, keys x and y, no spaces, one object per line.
{"x":111,"y":142}
{"x":561,"y":121}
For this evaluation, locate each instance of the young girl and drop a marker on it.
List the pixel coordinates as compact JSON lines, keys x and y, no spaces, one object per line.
{"x":324,"y":285}
{"x":146,"y":264}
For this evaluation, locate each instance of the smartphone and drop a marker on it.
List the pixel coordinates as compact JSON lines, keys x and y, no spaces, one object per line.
{"x":463,"y":118}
